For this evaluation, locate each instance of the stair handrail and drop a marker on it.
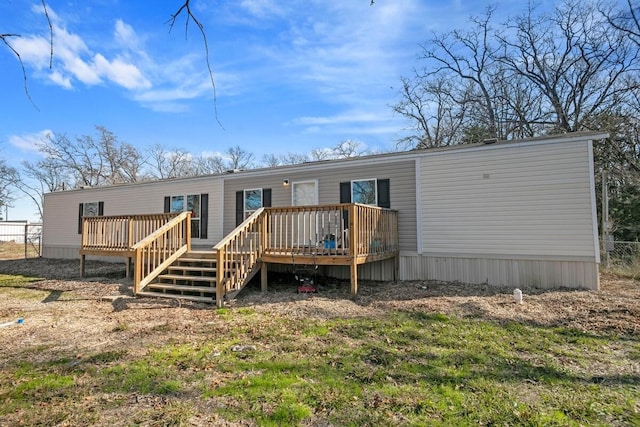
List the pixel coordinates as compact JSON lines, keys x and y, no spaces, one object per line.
{"x":158,"y":250}
{"x":237,"y":254}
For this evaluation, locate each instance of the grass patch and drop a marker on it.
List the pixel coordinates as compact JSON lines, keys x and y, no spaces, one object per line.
{"x":401,"y":368}
{"x":8,"y":280}
{"x":13,"y":250}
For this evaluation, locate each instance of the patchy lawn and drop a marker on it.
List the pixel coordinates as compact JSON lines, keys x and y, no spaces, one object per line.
{"x":413,"y":353}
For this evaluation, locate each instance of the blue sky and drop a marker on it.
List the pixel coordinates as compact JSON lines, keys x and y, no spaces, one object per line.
{"x":291,"y":76}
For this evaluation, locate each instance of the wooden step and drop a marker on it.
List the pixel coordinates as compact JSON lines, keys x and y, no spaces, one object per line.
{"x":199,"y":261}
{"x":187,"y":277}
{"x":202,"y":255}
{"x":192,"y":268}
{"x":181,"y":288}
{"x":209,"y":300}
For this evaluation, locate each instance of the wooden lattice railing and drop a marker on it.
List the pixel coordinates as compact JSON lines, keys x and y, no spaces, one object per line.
{"x":119,"y":232}
{"x":237,"y":255}
{"x":340,"y":234}
{"x":342,"y":229}
{"x":353,"y":232}
{"x":374,"y":229}
{"x":160,"y":249}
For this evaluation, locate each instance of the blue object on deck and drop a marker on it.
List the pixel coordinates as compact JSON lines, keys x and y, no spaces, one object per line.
{"x":330,"y":241}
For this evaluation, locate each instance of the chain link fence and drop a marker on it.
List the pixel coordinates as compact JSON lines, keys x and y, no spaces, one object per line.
{"x":622,"y":257}
{"x":20,"y":239}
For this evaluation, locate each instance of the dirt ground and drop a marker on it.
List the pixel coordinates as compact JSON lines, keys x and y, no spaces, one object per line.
{"x":72,"y":318}
{"x":76,"y":313}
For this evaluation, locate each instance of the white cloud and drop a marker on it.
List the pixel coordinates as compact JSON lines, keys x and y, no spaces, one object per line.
{"x":120,"y":72}
{"x":346,"y":54}
{"x":261,"y":8}
{"x":74,"y":61}
{"x":125,"y":35}
{"x":29,"y":142}
{"x":351,"y":117}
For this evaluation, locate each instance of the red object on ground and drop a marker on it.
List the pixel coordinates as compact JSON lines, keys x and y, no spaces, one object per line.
{"x":306,"y":288}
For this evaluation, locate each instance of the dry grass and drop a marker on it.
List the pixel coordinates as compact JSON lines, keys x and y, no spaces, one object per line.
{"x":13,"y":250}
{"x":91,"y":353}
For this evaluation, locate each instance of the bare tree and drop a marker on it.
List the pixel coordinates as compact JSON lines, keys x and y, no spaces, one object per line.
{"x":43,"y":176}
{"x":626,"y":19}
{"x":165,"y":163}
{"x":273,"y":160}
{"x":435,"y":113}
{"x":348,"y":148}
{"x":8,"y":178}
{"x":468,"y":56}
{"x":238,"y":158}
{"x":572,"y":58}
{"x":210,"y":164}
{"x":92,"y":161}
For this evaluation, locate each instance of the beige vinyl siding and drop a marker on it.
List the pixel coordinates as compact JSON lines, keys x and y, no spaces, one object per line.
{"x":531,"y":200}
{"x":329,"y":176}
{"x":60,"y":222}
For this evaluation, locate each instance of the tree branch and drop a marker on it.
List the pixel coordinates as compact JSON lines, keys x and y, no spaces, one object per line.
{"x":186,"y":8}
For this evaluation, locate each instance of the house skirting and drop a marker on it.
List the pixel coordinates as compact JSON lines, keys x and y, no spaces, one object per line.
{"x":521,"y":273}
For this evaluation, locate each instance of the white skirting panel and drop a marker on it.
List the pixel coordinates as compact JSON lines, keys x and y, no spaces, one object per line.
{"x":67,"y":252}
{"x":522,"y":273}
{"x":376,"y":271}
{"x":61,"y":252}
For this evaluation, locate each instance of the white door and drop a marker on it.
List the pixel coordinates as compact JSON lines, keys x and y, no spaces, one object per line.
{"x":304,"y":226}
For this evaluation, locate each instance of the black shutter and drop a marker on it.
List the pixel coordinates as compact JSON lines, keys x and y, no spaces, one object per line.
{"x":345,"y":192}
{"x":384,"y":194}
{"x":266,"y":197}
{"x":80,"y":212}
{"x":100,"y":208}
{"x":239,"y":207}
{"x":167,"y":204}
{"x":204,"y":215}
{"x":345,"y":197}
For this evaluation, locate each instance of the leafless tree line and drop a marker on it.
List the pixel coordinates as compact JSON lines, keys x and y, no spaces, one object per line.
{"x":573,"y":68}
{"x":541,"y":72}
{"x":103,"y":159}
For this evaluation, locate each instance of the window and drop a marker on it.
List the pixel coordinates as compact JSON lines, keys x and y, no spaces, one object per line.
{"x":304,"y":193}
{"x":89,"y":209}
{"x":195,"y":204}
{"x":367,"y":191}
{"x":249,"y":201}
{"x":252,"y":201}
{"x":177,"y":204}
{"x":364,"y":192}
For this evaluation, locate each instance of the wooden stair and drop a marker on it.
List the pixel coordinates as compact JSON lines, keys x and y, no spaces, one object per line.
{"x":192,"y":277}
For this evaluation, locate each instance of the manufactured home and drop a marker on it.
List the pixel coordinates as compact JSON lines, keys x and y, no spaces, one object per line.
{"x":510,"y":213}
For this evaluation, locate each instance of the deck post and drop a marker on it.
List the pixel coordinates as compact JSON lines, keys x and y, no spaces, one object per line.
{"x":137,"y":272}
{"x":263,"y":277}
{"x":354,"y":237}
{"x":354,"y":278}
{"x":188,"y":232}
{"x":220,"y":273}
{"x":128,"y":266}
{"x":82,"y":259}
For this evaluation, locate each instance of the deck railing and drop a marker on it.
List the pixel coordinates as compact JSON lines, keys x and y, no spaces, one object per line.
{"x":119,"y":232}
{"x":160,"y":249}
{"x":343,"y":229}
{"x":348,"y":233}
{"x":237,"y":255}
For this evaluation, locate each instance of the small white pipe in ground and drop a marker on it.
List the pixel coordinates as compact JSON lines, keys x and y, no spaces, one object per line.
{"x":517,"y":296}
{"x":15,"y":322}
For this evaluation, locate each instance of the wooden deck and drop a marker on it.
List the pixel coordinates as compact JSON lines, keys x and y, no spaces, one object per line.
{"x":341,"y":234}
